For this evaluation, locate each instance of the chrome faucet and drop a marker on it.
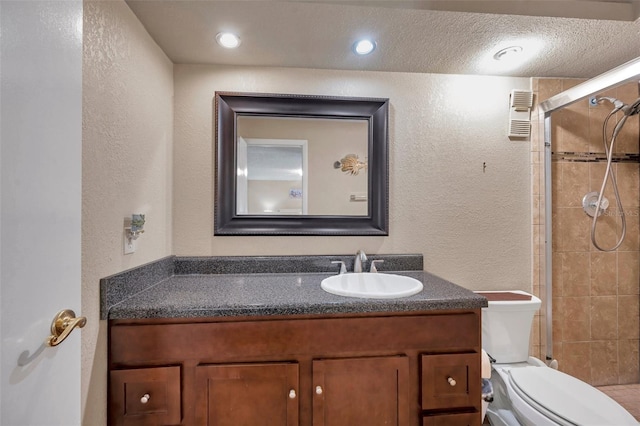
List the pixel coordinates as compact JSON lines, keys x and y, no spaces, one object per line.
{"x":357,"y":264}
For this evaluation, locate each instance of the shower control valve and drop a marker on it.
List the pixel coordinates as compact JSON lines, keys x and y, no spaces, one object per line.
{"x":590,"y":204}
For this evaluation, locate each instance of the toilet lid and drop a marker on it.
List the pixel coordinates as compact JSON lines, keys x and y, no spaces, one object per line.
{"x":564,"y":396}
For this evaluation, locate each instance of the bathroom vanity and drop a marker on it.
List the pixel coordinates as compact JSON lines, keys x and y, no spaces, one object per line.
{"x":274,"y":349}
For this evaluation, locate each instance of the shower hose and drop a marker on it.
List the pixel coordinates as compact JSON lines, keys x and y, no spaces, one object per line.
{"x":610,"y":175}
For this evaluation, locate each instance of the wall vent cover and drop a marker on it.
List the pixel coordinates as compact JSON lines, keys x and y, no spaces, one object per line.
{"x":521,"y":100}
{"x":519,"y":128}
{"x":520,"y":103}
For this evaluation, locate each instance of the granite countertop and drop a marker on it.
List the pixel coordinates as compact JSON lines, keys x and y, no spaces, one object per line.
{"x":191,"y":295}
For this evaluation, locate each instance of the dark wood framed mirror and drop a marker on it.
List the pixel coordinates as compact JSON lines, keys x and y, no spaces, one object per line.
{"x":300,"y":165}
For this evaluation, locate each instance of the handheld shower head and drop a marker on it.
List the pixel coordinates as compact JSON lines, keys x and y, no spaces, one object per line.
{"x":632,"y":109}
{"x":616,"y":102}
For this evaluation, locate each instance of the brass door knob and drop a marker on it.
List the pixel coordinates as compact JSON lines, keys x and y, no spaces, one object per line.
{"x":63,"y":324}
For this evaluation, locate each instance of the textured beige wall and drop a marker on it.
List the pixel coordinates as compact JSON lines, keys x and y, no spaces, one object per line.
{"x":127,"y":168}
{"x":472,"y":226}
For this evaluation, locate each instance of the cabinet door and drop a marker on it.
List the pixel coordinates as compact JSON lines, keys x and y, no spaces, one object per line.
{"x":145,"y":396}
{"x":361,"y":391}
{"x":247,"y":395}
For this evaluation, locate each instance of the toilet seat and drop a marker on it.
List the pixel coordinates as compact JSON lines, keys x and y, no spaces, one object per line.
{"x":565,"y":399}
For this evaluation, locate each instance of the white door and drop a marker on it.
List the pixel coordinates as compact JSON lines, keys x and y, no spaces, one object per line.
{"x":40,"y":208}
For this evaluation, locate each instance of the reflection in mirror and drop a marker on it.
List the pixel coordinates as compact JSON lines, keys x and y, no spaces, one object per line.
{"x":275,"y":187}
{"x":272,"y":176}
{"x":300,"y":165}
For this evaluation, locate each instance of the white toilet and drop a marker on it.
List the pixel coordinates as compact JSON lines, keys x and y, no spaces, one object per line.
{"x":526,"y":391}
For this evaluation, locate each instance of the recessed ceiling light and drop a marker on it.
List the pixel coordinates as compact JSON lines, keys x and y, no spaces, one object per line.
{"x":507,"y":52}
{"x":364,"y":47}
{"x":228,"y":40}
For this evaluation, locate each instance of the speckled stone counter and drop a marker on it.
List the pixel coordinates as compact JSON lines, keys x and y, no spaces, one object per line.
{"x":168,"y":294}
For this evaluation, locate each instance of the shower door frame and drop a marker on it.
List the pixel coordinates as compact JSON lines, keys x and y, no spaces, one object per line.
{"x":617,"y":76}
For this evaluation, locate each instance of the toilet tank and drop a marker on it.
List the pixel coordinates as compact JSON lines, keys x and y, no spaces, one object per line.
{"x":506,"y":324}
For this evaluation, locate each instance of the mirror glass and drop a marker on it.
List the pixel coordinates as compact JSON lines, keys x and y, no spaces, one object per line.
{"x":300,"y":165}
{"x":294,"y":166}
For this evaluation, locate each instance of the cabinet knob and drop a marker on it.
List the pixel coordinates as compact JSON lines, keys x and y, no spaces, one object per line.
{"x":145,"y":398}
{"x":292,"y":394}
{"x":319,"y":390}
{"x":451,"y":381}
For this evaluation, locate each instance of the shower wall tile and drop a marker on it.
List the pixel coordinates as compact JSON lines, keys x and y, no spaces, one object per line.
{"x":536,"y":210}
{"x":632,"y":239}
{"x":628,"y":361}
{"x":547,"y":87}
{"x":558,"y":320}
{"x":575,"y":183}
{"x":537,"y":244}
{"x":603,"y":268}
{"x":627,"y":179}
{"x":574,"y":130}
{"x":604,"y":362}
{"x":628,"y":272}
{"x":575,"y":274}
{"x":556,"y":274}
{"x":604,"y":318}
{"x":536,"y":185}
{"x":628,"y":308}
{"x":576,"y":318}
{"x":574,"y":229}
{"x":575,"y":357}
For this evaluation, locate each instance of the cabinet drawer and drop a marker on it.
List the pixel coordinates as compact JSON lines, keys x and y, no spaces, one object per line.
{"x":145,"y":396}
{"x":451,"y":381}
{"x":460,"y":419}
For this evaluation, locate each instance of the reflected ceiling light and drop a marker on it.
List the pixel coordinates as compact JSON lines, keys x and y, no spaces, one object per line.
{"x":228,"y":40}
{"x":364,"y":47}
{"x":507,"y":53}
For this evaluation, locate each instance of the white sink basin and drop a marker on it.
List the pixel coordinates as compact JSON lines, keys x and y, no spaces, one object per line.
{"x":371,"y":285}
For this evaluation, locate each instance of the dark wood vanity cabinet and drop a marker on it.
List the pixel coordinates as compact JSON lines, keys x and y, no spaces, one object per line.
{"x":347,"y":370}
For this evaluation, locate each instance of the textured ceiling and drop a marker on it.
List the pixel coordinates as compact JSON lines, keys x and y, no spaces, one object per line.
{"x":575,"y":39}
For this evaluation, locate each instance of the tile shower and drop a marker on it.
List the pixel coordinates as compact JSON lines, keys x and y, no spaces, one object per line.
{"x":595,"y":294}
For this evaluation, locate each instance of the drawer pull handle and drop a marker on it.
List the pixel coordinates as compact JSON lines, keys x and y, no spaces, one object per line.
{"x":292,"y":394}
{"x":145,"y":398}
{"x":319,"y":390}
{"x":451,"y":381}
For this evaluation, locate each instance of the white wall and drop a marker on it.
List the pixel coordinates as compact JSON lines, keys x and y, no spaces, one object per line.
{"x":472,"y":226}
{"x":127,"y":167}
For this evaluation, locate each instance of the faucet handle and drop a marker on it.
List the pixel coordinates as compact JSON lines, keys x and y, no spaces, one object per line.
{"x":343,"y":267}
{"x":373,"y":265}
